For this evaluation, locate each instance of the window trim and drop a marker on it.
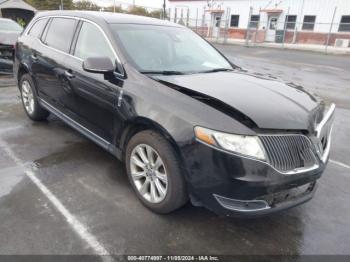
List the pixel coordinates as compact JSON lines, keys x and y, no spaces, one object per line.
{"x":237,"y":21}
{"x":122,"y":74}
{"x":308,"y":23}
{"x":43,"y":29}
{"x":43,"y":35}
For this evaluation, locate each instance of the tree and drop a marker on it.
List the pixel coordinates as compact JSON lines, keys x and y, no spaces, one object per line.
{"x":86,"y":5}
{"x":117,"y":9}
{"x":138,"y":10}
{"x":156,"y":14}
{"x":50,"y":4}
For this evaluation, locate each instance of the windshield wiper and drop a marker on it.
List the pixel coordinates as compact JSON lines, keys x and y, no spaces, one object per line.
{"x":165,"y":72}
{"x":217,"y":70}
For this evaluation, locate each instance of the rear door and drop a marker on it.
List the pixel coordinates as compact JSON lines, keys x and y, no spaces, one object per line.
{"x":29,"y":44}
{"x":48,"y":58}
{"x":92,"y":97}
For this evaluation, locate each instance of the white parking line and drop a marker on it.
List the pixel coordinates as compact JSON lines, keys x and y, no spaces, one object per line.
{"x":9,"y":129}
{"x":339,"y":163}
{"x":80,"y":229}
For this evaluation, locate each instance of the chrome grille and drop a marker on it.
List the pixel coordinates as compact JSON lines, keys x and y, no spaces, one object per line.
{"x":288,"y":152}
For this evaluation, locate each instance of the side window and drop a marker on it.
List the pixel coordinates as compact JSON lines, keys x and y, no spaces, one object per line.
{"x":38,"y":28}
{"x":92,"y":43}
{"x":344,"y":25}
{"x":309,"y":22}
{"x":234,"y":20}
{"x":60,"y":33}
{"x":254,"y":21}
{"x":291,"y":21}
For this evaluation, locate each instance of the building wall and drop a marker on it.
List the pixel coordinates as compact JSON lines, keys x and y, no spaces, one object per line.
{"x":323,"y":9}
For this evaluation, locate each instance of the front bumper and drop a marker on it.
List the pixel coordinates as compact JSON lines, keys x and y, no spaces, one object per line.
{"x":260,"y":207}
{"x":236,"y":186}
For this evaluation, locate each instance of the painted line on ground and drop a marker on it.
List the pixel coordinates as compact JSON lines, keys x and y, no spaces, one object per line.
{"x":9,"y":129}
{"x":339,"y":163}
{"x":80,"y":229}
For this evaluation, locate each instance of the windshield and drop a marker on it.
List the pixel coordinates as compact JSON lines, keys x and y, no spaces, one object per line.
{"x":11,"y":26}
{"x":167,"y":49}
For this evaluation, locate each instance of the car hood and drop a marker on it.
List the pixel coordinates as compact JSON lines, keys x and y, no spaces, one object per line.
{"x":8,"y":38}
{"x":264,"y":101}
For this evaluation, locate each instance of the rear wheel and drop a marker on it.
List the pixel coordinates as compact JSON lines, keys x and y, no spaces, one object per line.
{"x":154,"y":172}
{"x":30,"y":101}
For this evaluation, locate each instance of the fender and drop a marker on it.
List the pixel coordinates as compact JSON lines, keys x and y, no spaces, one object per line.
{"x":141,"y":123}
{"x":23,"y":68}
{"x":137,"y":124}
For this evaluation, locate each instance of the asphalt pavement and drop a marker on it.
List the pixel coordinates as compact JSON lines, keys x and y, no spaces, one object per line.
{"x":61,"y":194}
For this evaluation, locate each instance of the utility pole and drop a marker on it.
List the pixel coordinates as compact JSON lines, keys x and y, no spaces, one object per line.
{"x":164,"y":10}
{"x":114,"y":6}
{"x":298,"y":22}
{"x":61,"y":4}
{"x":330,"y":29}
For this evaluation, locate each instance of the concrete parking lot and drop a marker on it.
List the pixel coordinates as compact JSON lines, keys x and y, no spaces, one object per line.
{"x":62,"y":194}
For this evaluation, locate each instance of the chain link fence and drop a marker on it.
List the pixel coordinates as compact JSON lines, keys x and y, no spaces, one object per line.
{"x":266,"y":30}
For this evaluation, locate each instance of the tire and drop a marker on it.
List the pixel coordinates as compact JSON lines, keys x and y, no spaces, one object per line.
{"x":30,"y":100}
{"x":175,"y":187}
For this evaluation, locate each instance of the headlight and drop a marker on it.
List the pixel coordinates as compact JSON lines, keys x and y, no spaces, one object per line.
{"x":245,"y":145}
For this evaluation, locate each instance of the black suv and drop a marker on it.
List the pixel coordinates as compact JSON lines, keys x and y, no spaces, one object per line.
{"x":187,"y":122}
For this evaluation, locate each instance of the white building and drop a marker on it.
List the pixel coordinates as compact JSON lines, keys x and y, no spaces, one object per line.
{"x":297,"y":21}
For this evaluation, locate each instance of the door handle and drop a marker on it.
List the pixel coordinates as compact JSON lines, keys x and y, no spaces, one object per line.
{"x":69,"y":74}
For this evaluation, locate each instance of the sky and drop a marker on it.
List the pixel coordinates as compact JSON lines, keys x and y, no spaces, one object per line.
{"x":146,"y":3}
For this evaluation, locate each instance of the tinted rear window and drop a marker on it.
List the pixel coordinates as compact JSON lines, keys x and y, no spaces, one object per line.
{"x":38,"y":28}
{"x":60,"y":33}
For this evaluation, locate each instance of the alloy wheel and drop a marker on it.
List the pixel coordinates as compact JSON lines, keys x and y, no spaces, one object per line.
{"x":27,"y":96}
{"x":148,"y":173}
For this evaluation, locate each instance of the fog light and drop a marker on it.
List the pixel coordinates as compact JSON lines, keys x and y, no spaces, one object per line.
{"x":242,"y":205}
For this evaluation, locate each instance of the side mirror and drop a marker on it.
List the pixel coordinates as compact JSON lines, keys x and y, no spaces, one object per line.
{"x":99,"y":65}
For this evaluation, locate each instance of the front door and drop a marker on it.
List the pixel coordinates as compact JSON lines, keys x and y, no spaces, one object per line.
{"x":89,"y":97}
{"x":271,"y":29}
{"x":216,"y":24}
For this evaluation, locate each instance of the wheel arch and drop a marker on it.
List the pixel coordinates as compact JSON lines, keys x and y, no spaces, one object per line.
{"x":140,"y":124}
{"x":22,"y":69}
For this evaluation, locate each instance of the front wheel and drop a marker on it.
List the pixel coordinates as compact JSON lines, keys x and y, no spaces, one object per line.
{"x":30,"y":100}
{"x":154,"y":171}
